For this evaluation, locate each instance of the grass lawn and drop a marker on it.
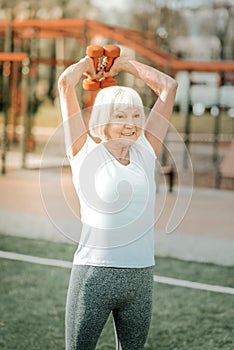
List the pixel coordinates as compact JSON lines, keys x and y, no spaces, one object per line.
{"x":33,"y":303}
{"x":48,"y":115}
{"x":204,"y":124}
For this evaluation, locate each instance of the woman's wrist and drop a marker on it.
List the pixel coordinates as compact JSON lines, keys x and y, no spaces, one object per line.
{"x":82,"y":66}
{"x":122,"y":64}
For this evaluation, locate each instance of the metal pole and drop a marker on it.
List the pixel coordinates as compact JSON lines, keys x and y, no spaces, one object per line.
{"x":30,"y":141}
{"x":15,"y":108}
{"x":217,"y":117}
{"x":216,"y":137}
{"x":6,"y":89}
{"x":13,"y":102}
{"x":187,"y":127}
{"x":25,"y":78}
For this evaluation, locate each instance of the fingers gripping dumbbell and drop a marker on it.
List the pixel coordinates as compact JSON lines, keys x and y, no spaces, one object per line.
{"x":96,"y":52}
{"x":111,"y":52}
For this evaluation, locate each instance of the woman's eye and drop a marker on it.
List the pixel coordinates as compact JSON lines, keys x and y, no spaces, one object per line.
{"x":119,"y":116}
{"x":136,"y":115}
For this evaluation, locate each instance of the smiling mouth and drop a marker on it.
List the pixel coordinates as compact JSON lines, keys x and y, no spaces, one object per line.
{"x":128,"y":133}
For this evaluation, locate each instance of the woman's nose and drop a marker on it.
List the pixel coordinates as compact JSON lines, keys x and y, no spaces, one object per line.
{"x":130,"y":122}
{"x":128,"y":126}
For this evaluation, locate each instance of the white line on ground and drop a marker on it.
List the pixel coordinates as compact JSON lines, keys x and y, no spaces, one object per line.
{"x":35,"y":259}
{"x":159,"y":279}
{"x":193,"y":285}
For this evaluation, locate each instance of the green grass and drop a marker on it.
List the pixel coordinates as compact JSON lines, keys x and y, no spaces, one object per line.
{"x":33,"y":303}
{"x":203,"y":124}
{"x":32,"y":306}
{"x":48,"y":115}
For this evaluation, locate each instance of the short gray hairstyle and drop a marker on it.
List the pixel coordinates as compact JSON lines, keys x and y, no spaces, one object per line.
{"x":107,"y":101}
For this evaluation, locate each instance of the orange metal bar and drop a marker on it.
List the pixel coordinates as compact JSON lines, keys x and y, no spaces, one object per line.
{"x":143,"y":43}
{"x":3,"y":23}
{"x":215,"y":66}
{"x":13,"y":56}
{"x":47,"y":34}
{"x":114,"y":35}
{"x":64,"y":23}
{"x":52,"y":61}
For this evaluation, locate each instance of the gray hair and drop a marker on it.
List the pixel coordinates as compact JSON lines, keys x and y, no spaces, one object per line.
{"x":107,"y":101}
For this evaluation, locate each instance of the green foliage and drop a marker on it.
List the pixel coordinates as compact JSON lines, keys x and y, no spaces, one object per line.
{"x":33,"y":299}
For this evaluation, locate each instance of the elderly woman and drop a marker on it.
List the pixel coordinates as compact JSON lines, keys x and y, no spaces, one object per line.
{"x":114,"y":180}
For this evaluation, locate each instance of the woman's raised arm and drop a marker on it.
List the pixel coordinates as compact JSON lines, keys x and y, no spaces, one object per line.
{"x":74,"y":126}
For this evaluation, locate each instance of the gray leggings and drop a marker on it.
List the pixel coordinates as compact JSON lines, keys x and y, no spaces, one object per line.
{"x":94,"y":292}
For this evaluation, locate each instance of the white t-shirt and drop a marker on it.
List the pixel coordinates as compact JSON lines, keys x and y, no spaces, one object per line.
{"x":117,"y":205}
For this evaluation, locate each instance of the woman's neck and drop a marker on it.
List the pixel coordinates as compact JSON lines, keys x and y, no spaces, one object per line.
{"x":119,"y":150}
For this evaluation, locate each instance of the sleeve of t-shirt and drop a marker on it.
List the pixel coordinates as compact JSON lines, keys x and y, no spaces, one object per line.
{"x":76,"y":161}
{"x":143,"y":141}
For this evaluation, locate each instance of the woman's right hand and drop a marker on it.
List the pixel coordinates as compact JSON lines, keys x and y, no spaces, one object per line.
{"x":89,"y":69}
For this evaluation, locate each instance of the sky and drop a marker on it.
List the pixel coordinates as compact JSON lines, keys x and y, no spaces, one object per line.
{"x":184,"y":3}
{"x":121,"y":4}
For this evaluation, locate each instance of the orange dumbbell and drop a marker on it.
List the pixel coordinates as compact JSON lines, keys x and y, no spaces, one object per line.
{"x":111,"y":52}
{"x":96,"y":52}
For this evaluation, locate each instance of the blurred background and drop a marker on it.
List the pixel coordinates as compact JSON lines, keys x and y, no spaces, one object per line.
{"x":191,"y":40}
{"x":174,"y":36}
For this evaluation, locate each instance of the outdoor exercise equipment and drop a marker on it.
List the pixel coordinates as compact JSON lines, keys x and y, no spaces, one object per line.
{"x":16,"y":33}
{"x":110,"y":53}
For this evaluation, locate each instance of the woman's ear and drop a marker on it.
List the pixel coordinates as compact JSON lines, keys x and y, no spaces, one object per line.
{"x":106,"y":133}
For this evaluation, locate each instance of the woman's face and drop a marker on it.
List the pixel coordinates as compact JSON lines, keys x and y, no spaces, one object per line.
{"x":125,"y":124}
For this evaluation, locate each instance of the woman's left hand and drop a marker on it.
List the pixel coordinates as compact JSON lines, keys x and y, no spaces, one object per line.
{"x":116,"y":67}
